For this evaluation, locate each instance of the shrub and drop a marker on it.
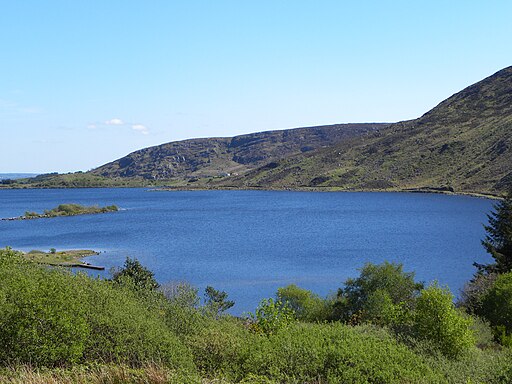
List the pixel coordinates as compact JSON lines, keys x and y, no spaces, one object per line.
{"x":271,"y":316}
{"x":306,"y":305}
{"x":182,"y":315}
{"x":124,"y":330}
{"x":474,"y":291}
{"x":50,"y":317}
{"x":42,"y":322}
{"x":336,"y":353}
{"x":306,"y":353}
{"x":221,"y":348}
{"x":437,"y":320}
{"x":135,"y":275}
{"x":497,"y":307}
{"x":386,"y":282}
{"x":476,"y":366}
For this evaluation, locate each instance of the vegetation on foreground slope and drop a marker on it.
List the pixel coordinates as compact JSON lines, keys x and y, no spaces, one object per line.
{"x":65,"y":327}
{"x":380,"y":327}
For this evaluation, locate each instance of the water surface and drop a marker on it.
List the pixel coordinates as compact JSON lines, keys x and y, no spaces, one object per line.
{"x":249,"y":243}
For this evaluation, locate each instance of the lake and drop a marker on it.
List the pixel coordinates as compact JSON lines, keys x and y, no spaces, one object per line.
{"x":249,"y":243}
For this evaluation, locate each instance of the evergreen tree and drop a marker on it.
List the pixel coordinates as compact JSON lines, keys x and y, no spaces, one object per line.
{"x":498,"y":241}
{"x":135,"y":274}
{"x":217,"y":301}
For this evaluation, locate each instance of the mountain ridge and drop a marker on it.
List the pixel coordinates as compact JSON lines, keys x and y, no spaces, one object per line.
{"x":462,"y":144}
{"x":210,"y":157}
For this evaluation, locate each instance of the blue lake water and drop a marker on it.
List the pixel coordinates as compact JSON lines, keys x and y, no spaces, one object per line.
{"x":249,"y":243}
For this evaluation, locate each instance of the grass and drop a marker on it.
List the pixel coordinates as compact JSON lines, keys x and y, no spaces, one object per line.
{"x":69,"y":258}
{"x":94,"y":374}
{"x":65,"y":210}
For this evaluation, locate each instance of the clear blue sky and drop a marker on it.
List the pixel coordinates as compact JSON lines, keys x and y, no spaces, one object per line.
{"x":87,"y":81}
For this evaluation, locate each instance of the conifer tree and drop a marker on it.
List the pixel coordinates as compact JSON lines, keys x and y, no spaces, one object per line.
{"x":498,"y":241}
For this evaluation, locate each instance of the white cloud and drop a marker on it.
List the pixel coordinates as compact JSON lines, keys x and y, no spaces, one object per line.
{"x":114,"y":122}
{"x":119,"y":123}
{"x":140,"y":128}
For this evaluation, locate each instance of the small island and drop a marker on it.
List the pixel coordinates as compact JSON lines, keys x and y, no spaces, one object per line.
{"x":69,"y":258}
{"x":66,"y":210}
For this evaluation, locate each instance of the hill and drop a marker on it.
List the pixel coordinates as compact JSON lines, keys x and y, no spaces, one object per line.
{"x":209,"y":157}
{"x":463,"y":144}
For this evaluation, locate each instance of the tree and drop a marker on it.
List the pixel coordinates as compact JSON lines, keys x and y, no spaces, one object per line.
{"x":436,"y":319}
{"x":386,"y":283}
{"x":474,"y":290}
{"x":497,"y":308}
{"x":272,"y":316}
{"x":181,"y":293}
{"x":498,"y":241}
{"x":306,"y":305}
{"x":135,"y":274}
{"x":216,"y":301}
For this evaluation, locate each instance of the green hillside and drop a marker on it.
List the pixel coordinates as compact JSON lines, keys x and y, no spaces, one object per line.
{"x":462,"y":144}
{"x":211,"y":157}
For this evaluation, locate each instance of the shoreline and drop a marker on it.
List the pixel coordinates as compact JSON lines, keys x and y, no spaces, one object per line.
{"x":483,"y":195}
{"x":71,"y":258}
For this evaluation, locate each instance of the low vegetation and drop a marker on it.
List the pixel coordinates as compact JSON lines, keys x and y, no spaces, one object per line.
{"x":68,"y":258}
{"x":381,"y":327}
{"x":66,"y":210}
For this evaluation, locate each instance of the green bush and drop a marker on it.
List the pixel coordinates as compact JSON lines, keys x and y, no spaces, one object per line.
{"x":50,"y":317}
{"x":306,"y":353}
{"x":482,"y":330}
{"x":306,"y":305}
{"x":497,"y":307}
{"x":336,"y":353}
{"x":381,"y":294}
{"x":474,"y":290}
{"x":134,"y":275}
{"x":182,"y":314}
{"x":436,"y":319}
{"x":221,"y":347}
{"x":42,"y":322}
{"x":124,"y":330}
{"x":476,"y":366}
{"x":271,"y":316}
